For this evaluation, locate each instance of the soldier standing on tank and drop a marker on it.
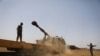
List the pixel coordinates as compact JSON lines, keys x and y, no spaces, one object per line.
{"x":19,"y":32}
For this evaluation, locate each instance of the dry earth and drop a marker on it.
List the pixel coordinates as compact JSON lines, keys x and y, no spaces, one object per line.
{"x":82,"y":52}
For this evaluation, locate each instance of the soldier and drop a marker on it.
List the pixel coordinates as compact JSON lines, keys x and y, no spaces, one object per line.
{"x":19,"y":32}
{"x":91,"y":48}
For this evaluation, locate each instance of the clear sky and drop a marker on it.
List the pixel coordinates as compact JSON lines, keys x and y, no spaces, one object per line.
{"x":77,"y":21}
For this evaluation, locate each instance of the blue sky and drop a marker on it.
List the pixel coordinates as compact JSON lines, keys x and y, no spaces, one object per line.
{"x":77,"y":21}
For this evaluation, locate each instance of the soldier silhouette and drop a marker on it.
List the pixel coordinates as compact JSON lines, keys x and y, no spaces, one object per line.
{"x":91,"y":48}
{"x":19,"y":32}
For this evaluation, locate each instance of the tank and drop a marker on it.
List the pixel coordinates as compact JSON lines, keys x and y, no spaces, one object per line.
{"x":57,"y":43}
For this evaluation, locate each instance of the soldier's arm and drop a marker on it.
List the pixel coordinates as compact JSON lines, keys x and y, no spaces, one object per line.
{"x":88,"y":45}
{"x":94,"y":45}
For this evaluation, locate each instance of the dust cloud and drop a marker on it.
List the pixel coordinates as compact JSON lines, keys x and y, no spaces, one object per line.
{"x":56,"y":43}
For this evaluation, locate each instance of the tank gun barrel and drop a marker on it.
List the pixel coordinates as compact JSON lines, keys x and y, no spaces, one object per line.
{"x":35,"y":24}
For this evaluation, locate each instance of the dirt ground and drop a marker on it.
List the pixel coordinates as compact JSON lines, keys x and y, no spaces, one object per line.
{"x":84,"y":52}
{"x":81,"y":52}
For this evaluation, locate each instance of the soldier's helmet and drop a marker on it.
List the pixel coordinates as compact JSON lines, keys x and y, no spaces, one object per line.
{"x":21,"y":23}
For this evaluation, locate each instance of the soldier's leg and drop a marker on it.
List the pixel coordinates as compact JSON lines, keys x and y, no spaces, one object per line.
{"x":17,"y":37}
{"x":91,"y":52}
{"x":20,"y":37}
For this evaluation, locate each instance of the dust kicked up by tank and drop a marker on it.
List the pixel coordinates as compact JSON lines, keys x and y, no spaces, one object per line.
{"x":57,"y":46}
